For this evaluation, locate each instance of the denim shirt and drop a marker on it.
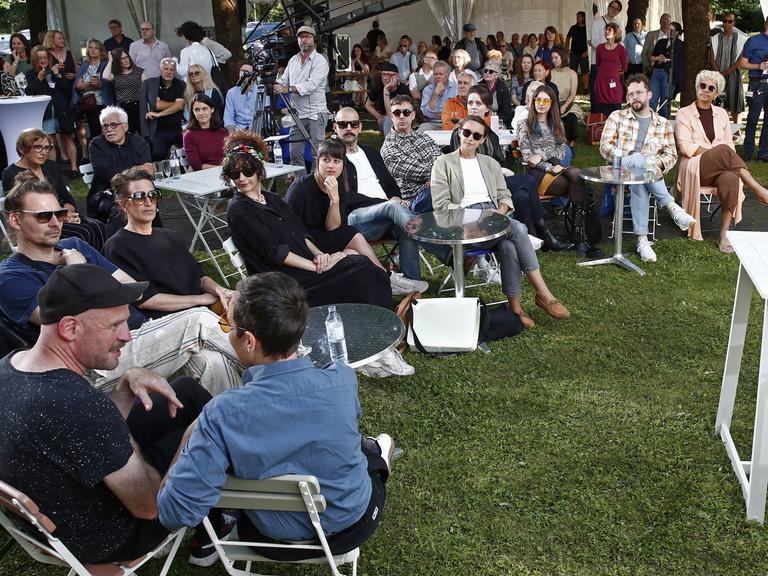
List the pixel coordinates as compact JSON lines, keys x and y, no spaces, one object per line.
{"x":288,"y":418}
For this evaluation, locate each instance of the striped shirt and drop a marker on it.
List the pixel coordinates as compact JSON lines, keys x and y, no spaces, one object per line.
{"x":622,"y":130}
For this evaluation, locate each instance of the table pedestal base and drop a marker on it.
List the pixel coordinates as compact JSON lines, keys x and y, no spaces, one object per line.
{"x":618,"y":259}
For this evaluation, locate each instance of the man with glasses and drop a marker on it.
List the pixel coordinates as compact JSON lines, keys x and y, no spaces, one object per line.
{"x":188,"y":340}
{"x":240,"y":105}
{"x":378,"y":103}
{"x":112,"y":152}
{"x":652,"y":37}
{"x":754,"y":59}
{"x":724,"y":53}
{"x":598,"y":37}
{"x":161,"y":108}
{"x":423,"y":76}
{"x":409,"y":155}
{"x":638,"y":132}
{"x":404,"y":59}
{"x":148,"y":52}
{"x":435,"y":95}
{"x":117,"y":40}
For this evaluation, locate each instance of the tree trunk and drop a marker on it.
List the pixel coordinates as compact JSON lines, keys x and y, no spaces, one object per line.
{"x":228,"y":33}
{"x":38,"y":22}
{"x":696,"y":27}
{"x":637,"y":9}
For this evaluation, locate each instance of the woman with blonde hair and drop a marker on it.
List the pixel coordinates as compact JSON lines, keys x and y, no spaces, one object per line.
{"x":91,"y":94}
{"x":199,"y":81}
{"x":708,"y":158}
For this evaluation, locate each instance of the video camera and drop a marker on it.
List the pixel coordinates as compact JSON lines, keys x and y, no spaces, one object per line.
{"x":264,"y":55}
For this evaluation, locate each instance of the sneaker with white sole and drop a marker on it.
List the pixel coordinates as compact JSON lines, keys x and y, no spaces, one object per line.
{"x":646,"y":252}
{"x":387,"y":447}
{"x":391,"y":364}
{"x":401,"y":284}
{"x":203,"y":552}
{"x":682,"y":218}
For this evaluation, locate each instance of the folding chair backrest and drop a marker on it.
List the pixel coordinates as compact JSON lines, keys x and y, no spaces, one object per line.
{"x":234,"y":257}
{"x":87,"y":171}
{"x":281,"y":493}
{"x":8,"y":239}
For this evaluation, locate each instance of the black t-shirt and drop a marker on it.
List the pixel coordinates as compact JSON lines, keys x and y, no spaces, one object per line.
{"x":51,"y":174}
{"x":578,"y":36}
{"x":171,"y":94}
{"x":59,"y":437}
{"x":162,"y":258}
{"x":376,"y":95}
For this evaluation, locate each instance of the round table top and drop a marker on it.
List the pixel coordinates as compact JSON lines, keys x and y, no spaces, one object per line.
{"x":458,"y":226}
{"x":370,"y":332}
{"x":607,"y":175}
{"x":24,"y":99}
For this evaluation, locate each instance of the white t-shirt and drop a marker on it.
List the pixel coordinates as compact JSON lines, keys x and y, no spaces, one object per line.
{"x":475,"y":190}
{"x":367,"y":181}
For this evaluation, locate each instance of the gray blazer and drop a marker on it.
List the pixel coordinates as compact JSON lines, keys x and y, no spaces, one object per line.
{"x":650,"y":41}
{"x":447,"y":182}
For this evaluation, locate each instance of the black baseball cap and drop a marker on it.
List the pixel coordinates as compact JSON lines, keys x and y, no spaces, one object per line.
{"x":79,"y":287}
{"x":387,"y":67}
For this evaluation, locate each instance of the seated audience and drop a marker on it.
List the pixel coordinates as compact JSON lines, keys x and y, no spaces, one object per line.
{"x":638,"y":132}
{"x":541,"y":73}
{"x":520,"y":79}
{"x":409,"y":155}
{"x":435,"y":95}
{"x":455,"y":109}
{"x":112,"y":152}
{"x":461,"y":60}
{"x":241,"y":102}
{"x":502,"y":99}
{"x":160,"y":109}
{"x":421,"y":78}
{"x":93,"y":462}
{"x":405,"y":60}
{"x":465,"y":179}
{"x":361,"y":68}
{"x":125,"y":77}
{"x":33,"y":146}
{"x":708,"y":158}
{"x":243,"y":432}
{"x":204,"y":137}
{"x":190,"y":341}
{"x":199,"y":81}
{"x":542,"y":143}
{"x":381,"y":94}
{"x":157,"y":255}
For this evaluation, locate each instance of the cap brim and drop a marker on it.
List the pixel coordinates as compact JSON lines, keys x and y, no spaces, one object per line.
{"x":125,"y":294}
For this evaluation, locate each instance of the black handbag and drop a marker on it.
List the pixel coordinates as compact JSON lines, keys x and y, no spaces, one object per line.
{"x":498,"y":322}
{"x":218,"y":76}
{"x":87,"y":104}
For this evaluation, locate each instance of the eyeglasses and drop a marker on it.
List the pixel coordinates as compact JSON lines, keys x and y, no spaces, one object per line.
{"x":404,"y":113}
{"x":704,"y":86}
{"x":195,"y":73}
{"x":615,"y":7}
{"x":140,"y":197}
{"x":225,"y":326}
{"x":41,"y":148}
{"x":145,"y":29}
{"x":403,"y":45}
{"x":235,"y":174}
{"x":488,"y":71}
{"x":348,"y":124}
{"x":729,"y":21}
{"x":111,"y":125}
{"x":543,"y":101}
{"x":466,"y":132}
{"x":44,"y":216}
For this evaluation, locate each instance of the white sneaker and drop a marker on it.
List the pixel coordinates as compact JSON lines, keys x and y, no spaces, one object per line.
{"x":387,"y":446}
{"x":682,"y":218}
{"x":493,"y":273}
{"x":646,"y":252}
{"x":392,"y":364}
{"x":401,"y":284}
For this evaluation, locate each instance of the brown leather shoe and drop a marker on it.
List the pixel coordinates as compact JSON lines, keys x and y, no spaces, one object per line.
{"x":554,"y":308}
{"x":527,"y":321}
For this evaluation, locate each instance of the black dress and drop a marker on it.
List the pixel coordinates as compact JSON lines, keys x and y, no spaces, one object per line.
{"x":265,"y":234}
{"x":311,"y":206}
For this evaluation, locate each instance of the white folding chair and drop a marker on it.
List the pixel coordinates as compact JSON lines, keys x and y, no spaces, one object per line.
{"x":87,"y":171}
{"x":33,"y":531}
{"x":181,"y":154}
{"x":290,"y":493}
{"x":235,"y":259}
{"x":6,"y":234}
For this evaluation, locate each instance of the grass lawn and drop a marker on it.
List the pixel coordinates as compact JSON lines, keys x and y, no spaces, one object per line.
{"x":582,"y":447}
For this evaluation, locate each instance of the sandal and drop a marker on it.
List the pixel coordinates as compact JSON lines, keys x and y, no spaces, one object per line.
{"x":725,"y":246}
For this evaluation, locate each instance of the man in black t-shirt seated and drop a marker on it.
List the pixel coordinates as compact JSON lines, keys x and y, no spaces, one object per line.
{"x":93,"y":463}
{"x":382,"y":92}
{"x":159,"y":255}
{"x":161,"y":104}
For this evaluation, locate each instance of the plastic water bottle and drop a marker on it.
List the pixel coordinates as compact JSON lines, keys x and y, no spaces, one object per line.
{"x":495,"y":124}
{"x":334,"y":328}
{"x":617,"y":159}
{"x":277,"y":153}
{"x":650,"y":163}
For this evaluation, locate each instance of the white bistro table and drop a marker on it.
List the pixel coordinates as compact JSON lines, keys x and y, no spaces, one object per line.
{"x":752,"y":250}
{"x":196,"y":193}
{"x":18,"y":113}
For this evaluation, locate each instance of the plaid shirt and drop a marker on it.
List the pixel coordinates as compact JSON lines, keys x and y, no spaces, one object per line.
{"x":409,"y":158}
{"x":622,"y":129}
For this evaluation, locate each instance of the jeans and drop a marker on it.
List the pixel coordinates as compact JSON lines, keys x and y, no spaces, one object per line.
{"x":757,"y":103}
{"x":639,"y":198}
{"x":316,"y":130}
{"x":660,"y":90}
{"x":374,"y":222}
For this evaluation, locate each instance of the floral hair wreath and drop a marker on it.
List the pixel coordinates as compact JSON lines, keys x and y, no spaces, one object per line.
{"x":244,"y":149}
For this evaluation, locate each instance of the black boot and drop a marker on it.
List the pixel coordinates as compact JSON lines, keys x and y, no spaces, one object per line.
{"x":580,"y":244}
{"x":551,"y":242}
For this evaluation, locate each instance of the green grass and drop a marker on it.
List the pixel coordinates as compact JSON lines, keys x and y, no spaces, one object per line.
{"x":582,"y":447}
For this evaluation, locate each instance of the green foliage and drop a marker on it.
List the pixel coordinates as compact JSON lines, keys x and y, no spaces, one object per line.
{"x":749,"y":16}
{"x":13,"y":16}
{"x":262,"y":11}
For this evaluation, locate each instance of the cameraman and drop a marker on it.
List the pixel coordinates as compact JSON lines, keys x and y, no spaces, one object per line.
{"x":306,"y":79}
{"x":240,"y":104}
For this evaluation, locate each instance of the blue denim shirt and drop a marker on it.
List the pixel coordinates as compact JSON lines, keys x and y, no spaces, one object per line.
{"x":288,"y":418}
{"x":450,"y":92}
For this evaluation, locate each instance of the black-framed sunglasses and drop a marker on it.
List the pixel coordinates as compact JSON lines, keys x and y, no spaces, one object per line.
{"x":489,"y":71}
{"x":141,"y":197}
{"x":343,"y":124}
{"x":466,"y":132}
{"x":705,"y":86}
{"x":44,"y":216}
{"x":235,"y":174}
{"x":729,"y":21}
{"x":404,"y":113}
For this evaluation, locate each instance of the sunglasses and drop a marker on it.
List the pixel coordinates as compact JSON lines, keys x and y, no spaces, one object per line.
{"x":348,"y":124}
{"x":235,"y":174}
{"x":543,"y":101}
{"x":141,"y":197}
{"x":226,"y":327}
{"x":404,"y":113}
{"x":111,"y":125}
{"x":729,"y":21}
{"x":466,"y":132}
{"x":703,"y":86}
{"x":195,"y":73}
{"x":44,"y":216}
{"x":403,"y":45}
{"x":487,"y":71}
{"x":41,"y":148}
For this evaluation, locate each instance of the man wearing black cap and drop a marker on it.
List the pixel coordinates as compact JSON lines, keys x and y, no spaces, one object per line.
{"x":478,"y":52}
{"x":378,"y":102}
{"x":92,"y":462}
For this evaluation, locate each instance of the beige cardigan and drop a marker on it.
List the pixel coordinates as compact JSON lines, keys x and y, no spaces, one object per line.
{"x":690,"y":136}
{"x":447,"y":182}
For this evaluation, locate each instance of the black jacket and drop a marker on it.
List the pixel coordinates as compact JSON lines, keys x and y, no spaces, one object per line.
{"x":504,"y":100}
{"x":387,"y":182}
{"x":61,"y":95}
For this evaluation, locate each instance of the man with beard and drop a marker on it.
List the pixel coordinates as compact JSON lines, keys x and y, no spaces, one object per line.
{"x":638,"y":132}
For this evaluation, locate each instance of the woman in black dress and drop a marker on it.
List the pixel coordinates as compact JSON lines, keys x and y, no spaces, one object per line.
{"x":270,"y":237}
{"x":320,"y":201}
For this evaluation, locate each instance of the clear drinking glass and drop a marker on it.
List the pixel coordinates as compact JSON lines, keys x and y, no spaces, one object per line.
{"x":167,"y":168}
{"x":303,"y":350}
{"x":158,"y":170}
